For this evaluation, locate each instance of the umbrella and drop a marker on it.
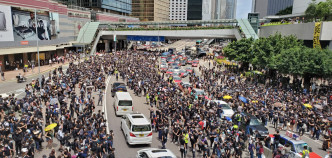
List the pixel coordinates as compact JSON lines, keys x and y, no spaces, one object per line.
{"x":50,"y":127}
{"x":228,"y":118}
{"x":243,"y":99}
{"x":307,"y":106}
{"x":254,"y":101}
{"x":235,"y":126}
{"x":227,"y":97}
{"x":54,"y":101}
{"x":320,"y":107}
{"x":329,"y":118}
{"x":277,"y":104}
{"x":165,"y":53}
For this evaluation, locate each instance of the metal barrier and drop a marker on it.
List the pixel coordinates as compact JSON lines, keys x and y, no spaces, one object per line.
{"x":268,"y":152}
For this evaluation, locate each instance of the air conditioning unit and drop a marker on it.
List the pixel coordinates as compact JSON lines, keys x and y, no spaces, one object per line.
{"x":2,"y":21}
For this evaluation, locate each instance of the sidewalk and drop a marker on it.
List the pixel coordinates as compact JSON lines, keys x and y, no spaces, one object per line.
{"x":11,"y":75}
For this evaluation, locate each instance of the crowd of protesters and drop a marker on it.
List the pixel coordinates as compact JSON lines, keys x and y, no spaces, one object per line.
{"x":196,"y":127}
{"x":64,"y":98}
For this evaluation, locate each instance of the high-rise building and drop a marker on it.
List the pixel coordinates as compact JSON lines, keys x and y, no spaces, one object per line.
{"x":219,"y":9}
{"x":150,"y":10}
{"x":178,"y":10}
{"x":112,"y":6}
{"x":230,"y":9}
{"x":194,"y":10}
{"x":299,"y":6}
{"x":270,"y":7}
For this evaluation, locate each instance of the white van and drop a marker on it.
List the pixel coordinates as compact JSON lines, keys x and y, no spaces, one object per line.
{"x":123,"y":103}
{"x":136,"y":128}
{"x":227,"y":110}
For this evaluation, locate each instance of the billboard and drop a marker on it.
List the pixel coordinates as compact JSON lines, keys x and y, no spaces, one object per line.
{"x":27,"y":27}
{"x":146,"y":38}
{"x":6,"y":27}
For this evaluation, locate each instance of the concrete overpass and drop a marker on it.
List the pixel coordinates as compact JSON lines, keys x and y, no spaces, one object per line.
{"x":168,"y":34}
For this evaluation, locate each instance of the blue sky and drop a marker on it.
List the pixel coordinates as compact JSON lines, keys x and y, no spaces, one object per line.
{"x":243,"y":8}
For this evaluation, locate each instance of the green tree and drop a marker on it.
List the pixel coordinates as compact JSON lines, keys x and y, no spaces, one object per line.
{"x":286,"y":11}
{"x":310,"y":12}
{"x":323,"y":10}
{"x":306,"y":62}
{"x":240,"y":51}
{"x":265,"y":49}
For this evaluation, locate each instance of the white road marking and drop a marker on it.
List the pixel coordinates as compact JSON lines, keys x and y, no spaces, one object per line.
{"x":104,"y":104}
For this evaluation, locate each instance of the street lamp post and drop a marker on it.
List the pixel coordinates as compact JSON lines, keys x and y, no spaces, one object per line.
{"x":158,"y":39}
{"x":37,"y":40}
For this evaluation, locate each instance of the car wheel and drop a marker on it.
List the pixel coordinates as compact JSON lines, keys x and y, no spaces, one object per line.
{"x":127,"y":140}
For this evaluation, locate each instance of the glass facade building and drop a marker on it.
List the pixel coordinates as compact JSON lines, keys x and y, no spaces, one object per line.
{"x":194,"y":10}
{"x":270,"y":7}
{"x":150,"y":10}
{"x":123,"y":6}
{"x":119,"y":6}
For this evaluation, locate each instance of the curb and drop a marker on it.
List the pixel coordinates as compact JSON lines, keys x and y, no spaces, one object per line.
{"x":32,"y":75}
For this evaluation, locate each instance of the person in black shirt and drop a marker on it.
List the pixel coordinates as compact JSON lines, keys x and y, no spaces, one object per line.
{"x":182,"y":147}
{"x":276,"y":140}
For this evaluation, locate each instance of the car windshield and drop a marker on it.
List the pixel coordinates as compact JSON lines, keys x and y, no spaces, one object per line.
{"x":125,"y":103}
{"x":255,"y":121}
{"x":141,"y":128}
{"x":177,"y":78}
{"x":299,"y":147}
{"x":225,"y":106}
{"x":186,"y":84}
{"x":200,"y":92}
{"x":121,"y":88}
{"x":117,"y":84}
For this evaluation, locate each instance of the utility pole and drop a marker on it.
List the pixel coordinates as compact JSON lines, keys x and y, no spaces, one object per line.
{"x":36,"y":25}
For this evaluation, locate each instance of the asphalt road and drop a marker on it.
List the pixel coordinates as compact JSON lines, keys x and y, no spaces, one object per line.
{"x":122,"y":149}
{"x":11,"y":87}
{"x":126,"y":151}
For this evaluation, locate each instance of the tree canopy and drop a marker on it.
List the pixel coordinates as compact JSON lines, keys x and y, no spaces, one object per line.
{"x":286,"y":11}
{"x":322,"y":10}
{"x":286,"y":54}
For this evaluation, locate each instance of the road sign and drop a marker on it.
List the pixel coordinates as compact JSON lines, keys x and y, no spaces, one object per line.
{"x":24,"y":42}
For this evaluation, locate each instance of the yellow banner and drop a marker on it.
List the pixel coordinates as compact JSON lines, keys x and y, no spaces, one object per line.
{"x":316,"y":43}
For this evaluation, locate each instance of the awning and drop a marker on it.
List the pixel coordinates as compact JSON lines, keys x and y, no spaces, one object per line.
{"x":26,"y":50}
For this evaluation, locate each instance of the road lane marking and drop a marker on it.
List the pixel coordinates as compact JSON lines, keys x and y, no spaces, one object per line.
{"x":104,"y":104}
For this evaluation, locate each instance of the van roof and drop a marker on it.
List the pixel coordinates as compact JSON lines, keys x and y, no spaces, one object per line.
{"x":123,"y":96}
{"x":219,"y":101}
{"x":293,"y":140}
{"x":138,"y":119}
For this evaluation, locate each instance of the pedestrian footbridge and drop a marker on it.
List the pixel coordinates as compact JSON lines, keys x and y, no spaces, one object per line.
{"x":92,"y":32}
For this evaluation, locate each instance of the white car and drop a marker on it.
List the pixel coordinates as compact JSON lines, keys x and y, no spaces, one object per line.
{"x":155,"y":153}
{"x":136,"y":128}
{"x":227,"y":110}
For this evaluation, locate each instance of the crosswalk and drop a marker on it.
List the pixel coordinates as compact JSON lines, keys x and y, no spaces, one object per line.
{"x":16,"y":93}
